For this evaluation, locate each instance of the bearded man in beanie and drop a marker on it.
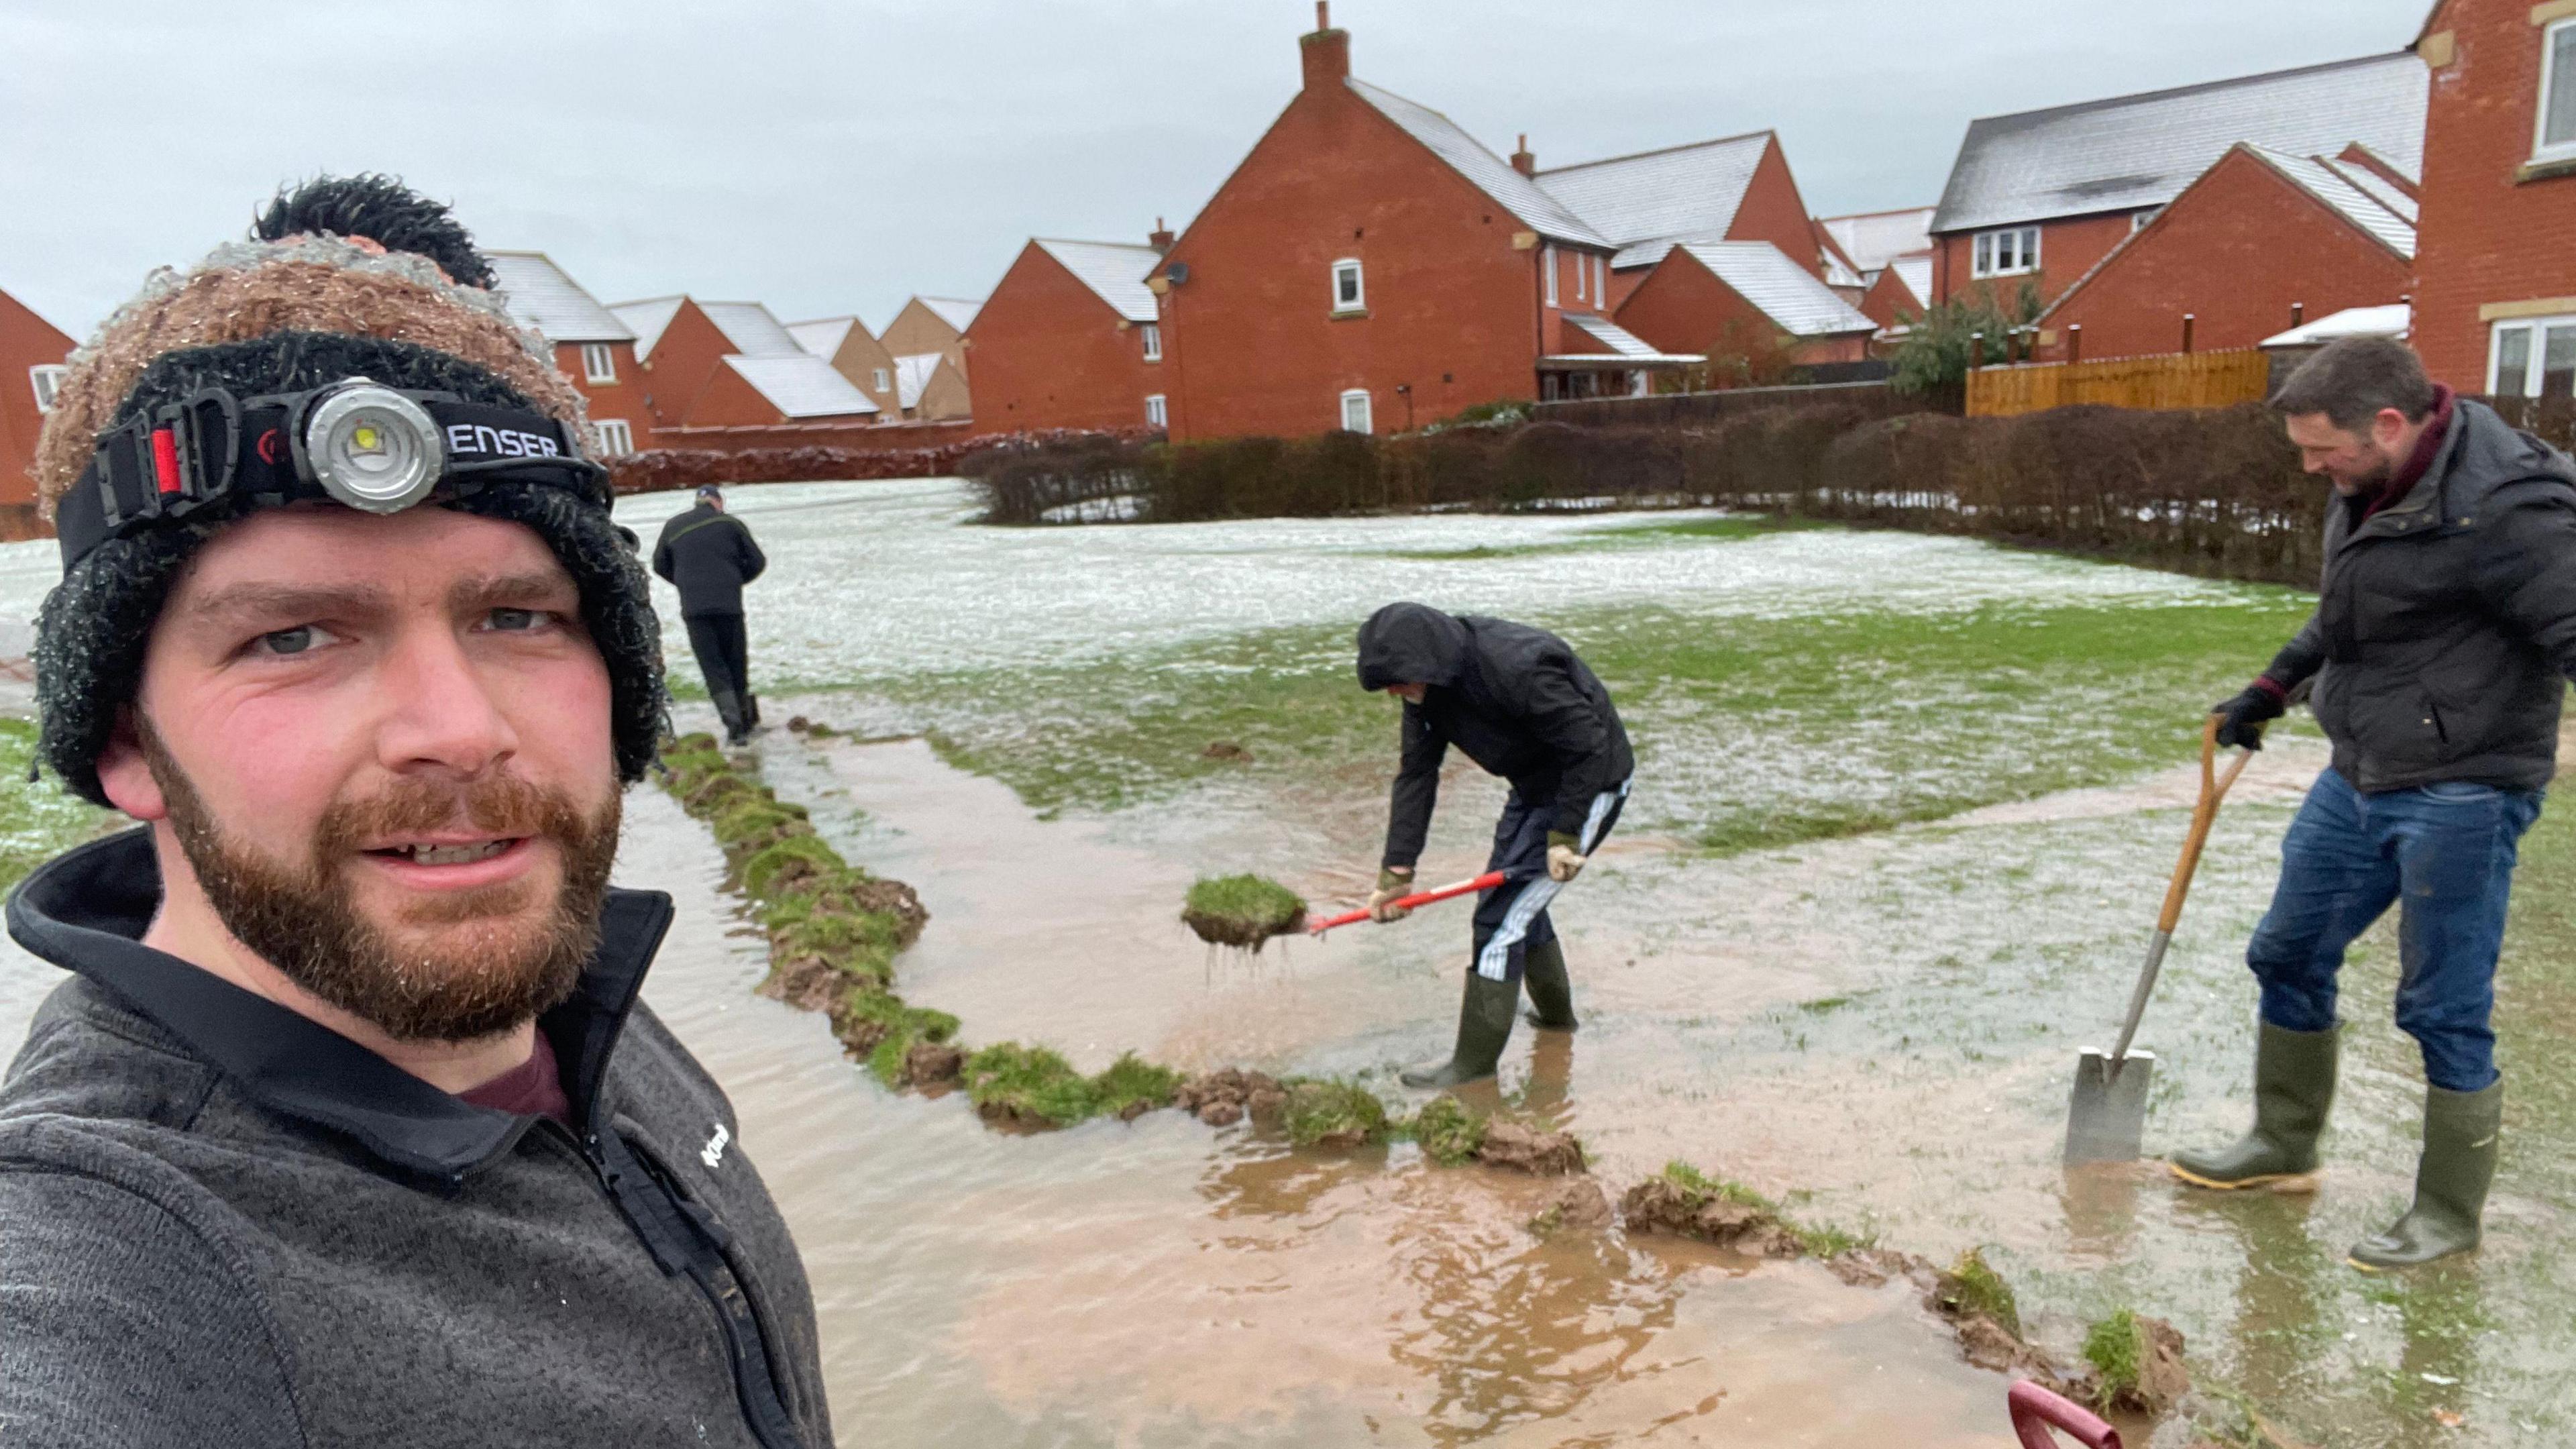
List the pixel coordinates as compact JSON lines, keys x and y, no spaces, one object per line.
{"x":348,"y":1127}
{"x":2445,"y":631}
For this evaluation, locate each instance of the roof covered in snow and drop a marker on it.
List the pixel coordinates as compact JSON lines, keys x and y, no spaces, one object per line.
{"x":1534,"y":208}
{"x":1622,"y":344}
{"x":1113,"y":270}
{"x":802,"y":385}
{"x":541,"y":295}
{"x":1787,"y":293}
{"x":957,"y":312}
{"x":647,"y":318}
{"x":751,"y":330}
{"x":823,"y":336}
{"x":2353,"y":192}
{"x":2135,"y":152}
{"x":1916,"y":273}
{"x":2393,"y":320}
{"x":912,"y":375}
{"x":1690,"y":190}
{"x":1875,"y":238}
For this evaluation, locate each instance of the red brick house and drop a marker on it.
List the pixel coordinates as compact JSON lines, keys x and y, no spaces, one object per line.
{"x":726,"y":375}
{"x":2495,"y":304}
{"x":32,"y":353}
{"x":2042,"y":197}
{"x":1746,"y":301}
{"x":1900,"y":293}
{"x":1071,"y":337}
{"x":1738,"y":189}
{"x":928,"y":341}
{"x":592,"y":347}
{"x":2261,"y":242}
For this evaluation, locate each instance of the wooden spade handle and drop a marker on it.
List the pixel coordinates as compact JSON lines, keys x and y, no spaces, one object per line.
{"x":2214,"y":785}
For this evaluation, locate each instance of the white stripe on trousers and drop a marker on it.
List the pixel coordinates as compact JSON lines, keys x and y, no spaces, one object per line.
{"x":1495,"y":962}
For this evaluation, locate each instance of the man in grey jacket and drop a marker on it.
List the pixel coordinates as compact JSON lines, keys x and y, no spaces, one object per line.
{"x":348,"y":1127}
{"x":2445,"y":631}
{"x":708,"y":555}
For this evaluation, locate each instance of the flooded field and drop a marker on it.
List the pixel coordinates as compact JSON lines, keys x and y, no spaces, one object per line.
{"x":1904,"y":810}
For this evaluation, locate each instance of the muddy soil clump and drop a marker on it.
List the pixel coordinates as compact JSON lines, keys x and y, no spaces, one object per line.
{"x":1223,"y":1098}
{"x":1226,"y":751}
{"x":1578,"y":1204}
{"x":1660,"y":1204}
{"x":1515,"y":1148}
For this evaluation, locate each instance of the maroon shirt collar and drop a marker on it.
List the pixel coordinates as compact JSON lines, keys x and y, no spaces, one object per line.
{"x":533,"y":1088}
{"x":2427,"y":448}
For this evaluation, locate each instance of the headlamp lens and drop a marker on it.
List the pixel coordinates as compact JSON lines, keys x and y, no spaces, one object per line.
{"x":374,"y":449}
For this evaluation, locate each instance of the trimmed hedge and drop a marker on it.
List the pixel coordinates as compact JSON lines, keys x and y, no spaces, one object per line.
{"x":659,"y":470}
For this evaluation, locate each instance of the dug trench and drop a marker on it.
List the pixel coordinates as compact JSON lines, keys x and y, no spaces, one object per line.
{"x":834,"y":933}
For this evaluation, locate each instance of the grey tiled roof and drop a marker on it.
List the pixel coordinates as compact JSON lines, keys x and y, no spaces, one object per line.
{"x":1681,"y":191}
{"x":1787,"y":293}
{"x":1621,"y":341}
{"x":1489,"y":173}
{"x":2135,"y":152}
{"x":751,"y":330}
{"x":647,"y":318}
{"x":1874,"y":239}
{"x":823,"y":336}
{"x":2335,"y":184}
{"x":1114,"y":270}
{"x":803,"y":386}
{"x":1916,"y":273}
{"x":540,"y":295}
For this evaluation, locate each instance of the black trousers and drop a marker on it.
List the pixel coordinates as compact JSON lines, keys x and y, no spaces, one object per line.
{"x":724,"y":653}
{"x":1512,"y":917}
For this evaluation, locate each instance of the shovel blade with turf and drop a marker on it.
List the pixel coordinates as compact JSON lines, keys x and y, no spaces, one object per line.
{"x":2106,"y":1114}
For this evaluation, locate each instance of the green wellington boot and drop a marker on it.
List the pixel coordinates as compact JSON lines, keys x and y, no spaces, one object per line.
{"x":2461,"y":1131}
{"x":1551,"y":993}
{"x":2294,"y":1083}
{"x":1484,"y":1024}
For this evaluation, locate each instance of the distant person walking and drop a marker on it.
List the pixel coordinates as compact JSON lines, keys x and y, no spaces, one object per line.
{"x":2444,"y":634}
{"x":1517,"y":701}
{"x":709,"y":554}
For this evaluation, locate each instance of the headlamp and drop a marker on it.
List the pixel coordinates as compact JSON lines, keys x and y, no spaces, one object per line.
{"x":355,"y":442}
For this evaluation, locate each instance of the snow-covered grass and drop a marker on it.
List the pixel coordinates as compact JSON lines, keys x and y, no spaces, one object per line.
{"x":37,"y":820}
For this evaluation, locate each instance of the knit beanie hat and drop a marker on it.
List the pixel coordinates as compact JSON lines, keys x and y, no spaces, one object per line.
{"x":342,"y":278}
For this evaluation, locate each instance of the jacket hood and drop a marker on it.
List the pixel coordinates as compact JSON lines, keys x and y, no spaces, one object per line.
{"x":1411,"y":644}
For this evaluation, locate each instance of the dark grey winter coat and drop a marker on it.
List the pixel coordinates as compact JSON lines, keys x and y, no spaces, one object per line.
{"x":708,"y":554}
{"x":1514,"y":699}
{"x":222,"y":1225}
{"x":2446,"y":624}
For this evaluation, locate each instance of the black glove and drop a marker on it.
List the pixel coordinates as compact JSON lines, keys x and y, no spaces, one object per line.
{"x":2241,"y":720}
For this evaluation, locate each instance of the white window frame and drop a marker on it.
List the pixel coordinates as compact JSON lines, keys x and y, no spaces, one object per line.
{"x":2140,"y":220}
{"x":598,"y":363}
{"x":884,"y":380}
{"x":2535,"y":361}
{"x":1157,"y":412}
{"x":46,"y":378}
{"x":2022,"y":241}
{"x":1582,"y":276}
{"x":1349,"y":267}
{"x":1601,"y":280}
{"x":1153,"y":340}
{"x":615,"y":438}
{"x":1548,"y":264}
{"x":2552,"y":76}
{"x":1365,"y":413}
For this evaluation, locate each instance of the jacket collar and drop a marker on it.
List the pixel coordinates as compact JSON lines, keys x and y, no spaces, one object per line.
{"x":87,"y":909}
{"x":2424,"y":504}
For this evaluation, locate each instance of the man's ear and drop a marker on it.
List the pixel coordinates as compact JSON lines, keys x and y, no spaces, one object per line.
{"x":2387,"y":426}
{"x":125,"y":774}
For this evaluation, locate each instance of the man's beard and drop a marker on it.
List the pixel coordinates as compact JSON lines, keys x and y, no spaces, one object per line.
{"x":2374,"y":482}
{"x":476,"y":981}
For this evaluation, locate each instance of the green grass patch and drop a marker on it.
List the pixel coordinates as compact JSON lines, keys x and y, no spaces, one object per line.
{"x":1334,"y":1114}
{"x":1820,"y":1240}
{"x":1973,"y":1286}
{"x":39,"y":819}
{"x":2117,"y":1348}
{"x":806,"y":854}
{"x":1031,"y":1085}
{"x":1131,"y":1081}
{"x":1446,"y":1131}
{"x":1242,"y":910}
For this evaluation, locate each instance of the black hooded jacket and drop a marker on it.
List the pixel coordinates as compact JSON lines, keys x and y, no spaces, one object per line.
{"x":1514,"y":699}
{"x":709,"y":555}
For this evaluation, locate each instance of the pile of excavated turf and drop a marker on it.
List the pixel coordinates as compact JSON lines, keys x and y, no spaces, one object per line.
{"x":1242,"y":911}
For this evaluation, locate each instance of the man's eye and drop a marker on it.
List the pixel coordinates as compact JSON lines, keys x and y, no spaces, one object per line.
{"x":302,"y":639}
{"x":518,"y":621}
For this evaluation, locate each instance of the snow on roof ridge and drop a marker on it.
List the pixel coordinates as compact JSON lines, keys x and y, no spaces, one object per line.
{"x":1475,"y":163}
{"x":1661,"y":151}
{"x":2173,"y":92}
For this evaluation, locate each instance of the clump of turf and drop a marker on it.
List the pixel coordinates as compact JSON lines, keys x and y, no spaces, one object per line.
{"x":1446,"y":1131}
{"x":1242,"y":910}
{"x":1334,"y":1114}
{"x":1133,"y":1086}
{"x":1973,"y":1286}
{"x":2117,"y":1349}
{"x":1028,"y":1086}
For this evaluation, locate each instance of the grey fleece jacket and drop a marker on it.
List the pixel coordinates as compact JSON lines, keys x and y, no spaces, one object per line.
{"x":221,"y":1224}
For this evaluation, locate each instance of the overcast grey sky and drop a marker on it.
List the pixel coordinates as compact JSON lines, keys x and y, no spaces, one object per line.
{"x":835,"y":158}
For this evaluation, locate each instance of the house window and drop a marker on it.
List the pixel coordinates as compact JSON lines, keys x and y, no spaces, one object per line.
{"x":2558,"y":91}
{"x":1155,"y":416}
{"x":1355,"y":411}
{"x":2534,"y":359}
{"x":883,"y":383}
{"x":1347,"y":293}
{"x":614,"y":437}
{"x":598,"y":364}
{"x":1600,"y":281}
{"x":47,"y":378}
{"x":1547,"y":264}
{"x":2007,"y":253}
{"x":1154,"y":337}
{"x":1582,"y":275}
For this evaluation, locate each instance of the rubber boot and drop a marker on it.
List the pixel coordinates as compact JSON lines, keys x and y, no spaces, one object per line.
{"x":1484,"y":1024}
{"x":750,"y":710}
{"x":2294,"y":1083}
{"x":729,"y":709}
{"x":1551,"y":994}
{"x":2461,"y":1132}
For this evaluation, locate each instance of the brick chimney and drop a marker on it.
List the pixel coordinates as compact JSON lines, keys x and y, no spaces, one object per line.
{"x":1327,"y":52}
{"x":1522,"y":161}
{"x":1160,"y":238}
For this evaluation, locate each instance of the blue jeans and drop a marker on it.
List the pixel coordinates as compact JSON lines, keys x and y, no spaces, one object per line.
{"x":2448,"y":850}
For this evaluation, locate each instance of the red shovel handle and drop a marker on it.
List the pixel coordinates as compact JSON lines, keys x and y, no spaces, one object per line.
{"x":1485,"y":882}
{"x":2035,"y":1411}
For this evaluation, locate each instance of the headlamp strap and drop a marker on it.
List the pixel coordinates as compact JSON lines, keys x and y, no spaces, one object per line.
{"x":211,"y":446}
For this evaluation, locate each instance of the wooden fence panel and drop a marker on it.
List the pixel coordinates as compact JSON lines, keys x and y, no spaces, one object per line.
{"x":2182,"y":380}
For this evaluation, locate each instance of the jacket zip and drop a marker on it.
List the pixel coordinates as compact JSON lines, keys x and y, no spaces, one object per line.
{"x":686,"y":1241}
